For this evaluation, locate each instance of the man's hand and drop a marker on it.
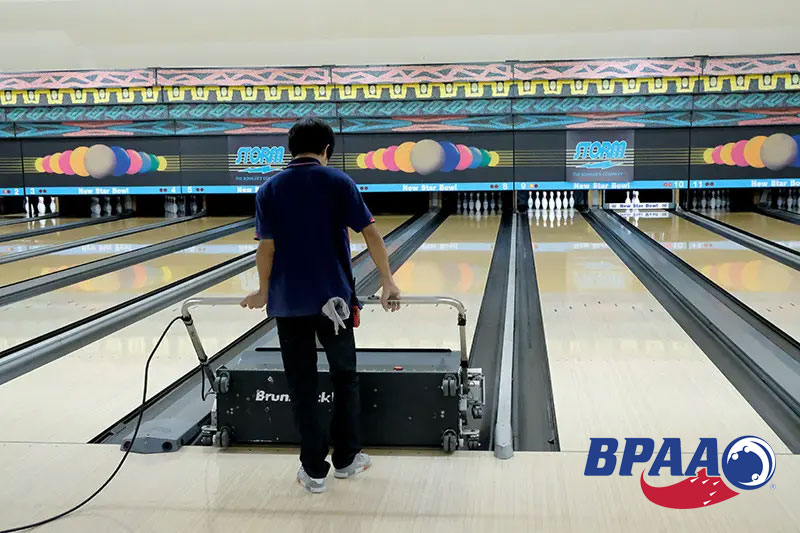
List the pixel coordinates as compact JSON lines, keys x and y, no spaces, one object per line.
{"x":389,"y":292}
{"x":255,"y":300}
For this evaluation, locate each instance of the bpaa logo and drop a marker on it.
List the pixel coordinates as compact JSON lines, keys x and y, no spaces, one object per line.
{"x":603,"y":154}
{"x":748,"y":463}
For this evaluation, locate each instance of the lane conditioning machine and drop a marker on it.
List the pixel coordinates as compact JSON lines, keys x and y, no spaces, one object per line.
{"x":409,"y":397}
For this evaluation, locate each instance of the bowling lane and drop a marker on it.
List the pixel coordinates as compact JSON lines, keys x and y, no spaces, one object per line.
{"x":765,"y":285}
{"x":74,"y":398}
{"x":36,"y":224}
{"x":619,"y":364}
{"x":46,"y":264}
{"x":773,"y":229}
{"x":69,"y":235}
{"x":454,"y":261}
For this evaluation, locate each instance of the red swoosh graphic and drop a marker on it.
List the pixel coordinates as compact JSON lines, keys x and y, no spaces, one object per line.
{"x":696,"y":491}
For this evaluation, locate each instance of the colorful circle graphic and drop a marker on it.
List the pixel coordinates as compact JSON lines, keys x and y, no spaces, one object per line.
{"x":752,"y":151}
{"x":64,"y":163}
{"x":100,"y":161}
{"x":737,"y":154}
{"x":123,"y":160}
{"x":377,"y":159}
{"x":451,"y":156}
{"x":77,"y":159}
{"x":147,"y":163}
{"x":38,"y":164}
{"x":779,"y":151}
{"x":55,"y":163}
{"x":427,"y":156}
{"x":402,"y":157}
{"x":726,"y":154}
{"x":136,"y":162}
{"x":388,"y":159}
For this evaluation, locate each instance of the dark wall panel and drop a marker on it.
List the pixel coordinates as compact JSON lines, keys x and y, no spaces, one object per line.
{"x":746,"y":153}
{"x":145,"y":165}
{"x":10,"y":168}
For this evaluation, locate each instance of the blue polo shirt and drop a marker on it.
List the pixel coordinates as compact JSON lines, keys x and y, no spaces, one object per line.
{"x":306,"y":210}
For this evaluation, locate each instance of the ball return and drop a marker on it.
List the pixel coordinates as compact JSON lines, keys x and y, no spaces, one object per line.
{"x":409,"y":397}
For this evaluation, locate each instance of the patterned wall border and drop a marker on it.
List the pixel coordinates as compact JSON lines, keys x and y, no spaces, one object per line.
{"x":244,"y":76}
{"x":6,"y":131}
{"x":708,"y":102}
{"x":87,"y":113}
{"x":421,"y":73}
{"x":83,"y":79}
{"x":675,"y":119}
{"x":752,"y":65}
{"x":53,"y":97}
{"x":247,"y":111}
{"x":424,"y":108}
{"x":753,"y":117}
{"x":415,"y":124}
{"x":596,"y":104}
{"x":603,"y":68}
{"x":238,"y":127}
{"x":405,"y":91}
{"x":96,"y":129}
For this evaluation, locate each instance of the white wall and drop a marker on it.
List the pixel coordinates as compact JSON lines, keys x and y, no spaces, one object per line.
{"x":65,"y":34}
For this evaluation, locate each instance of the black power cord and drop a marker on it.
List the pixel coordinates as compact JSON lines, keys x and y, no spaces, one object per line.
{"x":124,"y":457}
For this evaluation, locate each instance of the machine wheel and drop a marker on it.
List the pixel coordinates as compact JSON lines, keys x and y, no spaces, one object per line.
{"x":477,"y":412}
{"x":222,"y":383}
{"x":449,"y":386}
{"x":224,"y":436}
{"x":473,"y":444}
{"x":449,"y":441}
{"x":206,"y":440}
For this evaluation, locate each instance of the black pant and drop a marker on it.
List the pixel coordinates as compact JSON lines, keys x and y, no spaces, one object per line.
{"x":299,"y":353}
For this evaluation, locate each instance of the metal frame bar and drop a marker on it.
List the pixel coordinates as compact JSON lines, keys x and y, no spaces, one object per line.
{"x":186,"y":316}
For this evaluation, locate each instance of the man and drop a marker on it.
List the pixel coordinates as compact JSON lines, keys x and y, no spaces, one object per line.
{"x":303,"y":259}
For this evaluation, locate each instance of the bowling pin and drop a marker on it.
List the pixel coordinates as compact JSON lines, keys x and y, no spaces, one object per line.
{"x":713,"y":204}
{"x":537,"y":203}
{"x":636,"y":199}
{"x":790,"y":201}
{"x":694,"y":200}
{"x":571,"y":199}
{"x":27,"y":207}
{"x":493,"y":205}
{"x":500,"y":202}
{"x":703,"y":202}
{"x":193,"y":205}
{"x":551,"y":204}
{"x":41,"y":209}
{"x":627,"y":197}
{"x":781,"y":198}
{"x":558,"y":200}
{"x":95,"y":208}
{"x":52,"y":204}
{"x":471,"y":202}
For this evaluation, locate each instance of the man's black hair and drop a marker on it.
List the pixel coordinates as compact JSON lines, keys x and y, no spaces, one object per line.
{"x":311,"y":135}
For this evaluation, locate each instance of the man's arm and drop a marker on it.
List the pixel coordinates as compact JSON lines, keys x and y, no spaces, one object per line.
{"x":377,"y":250}
{"x":264,"y":257}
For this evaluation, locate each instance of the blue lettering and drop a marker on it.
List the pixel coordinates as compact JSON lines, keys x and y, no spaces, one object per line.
{"x":241,"y":155}
{"x":594,"y":150}
{"x":601,"y":449}
{"x":255,"y":155}
{"x":711,"y":463}
{"x":581,"y":150}
{"x":630,"y":455}
{"x":673,"y":448}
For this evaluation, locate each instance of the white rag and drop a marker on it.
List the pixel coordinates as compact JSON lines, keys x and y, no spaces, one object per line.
{"x":338,"y":311}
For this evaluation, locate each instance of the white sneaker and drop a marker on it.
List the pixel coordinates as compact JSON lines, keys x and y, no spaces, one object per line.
{"x":360,"y":463}
{"x":312,"y":485}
